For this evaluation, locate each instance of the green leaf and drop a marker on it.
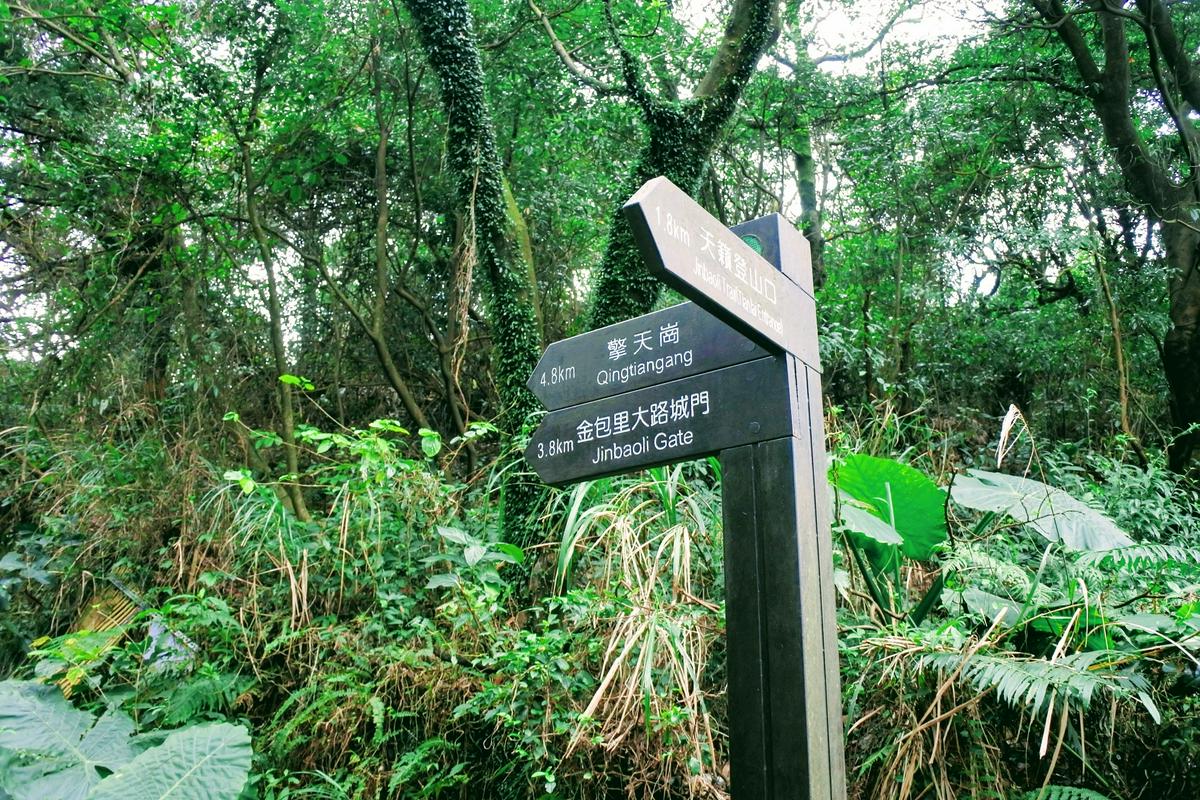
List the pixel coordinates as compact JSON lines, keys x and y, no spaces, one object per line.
{"x":202,"y":762}
{"x":454,"y":535}
{"x":509,"y":552}
{"x":988,"y":605}
{"x":1052,"y":512}
{"x":431,"y":442}
{"x":52,"y":749}
{"x":389,"y":425}
{"x":856,"y":518}
{"x":474,"y":553}
{"x":899,"y":495}
{"x":242,"y":478}
{"x":295,"y":380}
{"x":12,"y":562}
{"x":445,"y":580}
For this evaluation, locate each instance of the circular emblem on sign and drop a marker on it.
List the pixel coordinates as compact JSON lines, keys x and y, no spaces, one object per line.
{"x":755,"y":243}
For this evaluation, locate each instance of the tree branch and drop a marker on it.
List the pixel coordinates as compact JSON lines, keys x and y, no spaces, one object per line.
{"x":1159,"y":22}
{"x":752,"y":25}
{"x":574,"y":67}
{"x":833,"y":58}
{"x":634,"y":84}
{"x":22,"y":11}
{"x":1068,"y":30}
{"x":1109,"y":93}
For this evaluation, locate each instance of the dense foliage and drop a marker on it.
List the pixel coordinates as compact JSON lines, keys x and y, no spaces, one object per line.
{"x":273,"y":276}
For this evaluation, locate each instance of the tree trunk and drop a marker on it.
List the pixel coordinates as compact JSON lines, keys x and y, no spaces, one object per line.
{"x":382,"y":215}
{"x":1169,"y":194}
{"x":810,"y":209}
{"x":681,"y":138}
{"x":678,"y":148}
{"x":287,"y":415}
{"x":447,"y":34}
{"x":1181,"y":346}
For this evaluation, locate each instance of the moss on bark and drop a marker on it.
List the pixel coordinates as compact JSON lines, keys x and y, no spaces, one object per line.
{"x":446,"y":31}
{"x":681,"y":136}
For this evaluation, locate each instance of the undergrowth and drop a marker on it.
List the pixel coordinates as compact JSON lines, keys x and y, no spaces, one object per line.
{"x":390,"y":647}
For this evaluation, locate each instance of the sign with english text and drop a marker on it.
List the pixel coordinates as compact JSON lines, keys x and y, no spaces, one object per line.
{"x":693,"y":252}
{"x":684,"y":418}
{"x":673,"y":343}
{"x":734,"y":373}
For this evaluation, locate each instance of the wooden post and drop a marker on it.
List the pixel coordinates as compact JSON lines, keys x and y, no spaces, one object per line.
{"x":784,"y":687}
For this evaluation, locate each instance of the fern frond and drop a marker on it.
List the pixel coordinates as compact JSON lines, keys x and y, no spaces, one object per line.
{"x":1063,"y":793}
{"x":1025,"y":682}
{"x":970,"y":559}
{"x":1141,"y":557}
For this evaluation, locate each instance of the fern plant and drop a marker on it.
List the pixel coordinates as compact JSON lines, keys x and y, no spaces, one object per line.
{"x":1063,"y":793}
{"x":1037,"y":683}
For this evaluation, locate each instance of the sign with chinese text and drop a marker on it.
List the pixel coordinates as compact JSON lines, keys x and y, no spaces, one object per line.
{"x":685,"y":418}
{"x":693,"y":252}
{"x":662,"y":346}
{"x":735,"y":373}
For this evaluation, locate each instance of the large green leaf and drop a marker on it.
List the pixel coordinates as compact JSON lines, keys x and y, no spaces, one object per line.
{"x":203,"y":762}
{"x":899,"y":495}
{"x":53,"y":749}
{"x":858,"y":518}
{"x":1051,"y":512}
{"x":988,"y":605}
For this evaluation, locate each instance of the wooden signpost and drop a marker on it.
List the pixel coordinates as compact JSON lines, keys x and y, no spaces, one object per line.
{"x":693,"y":252}
{"x":742,"y":381}
{"x":667,"y":422}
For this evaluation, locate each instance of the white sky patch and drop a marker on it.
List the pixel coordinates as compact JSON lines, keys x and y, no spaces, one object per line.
{"x":841,"y":30}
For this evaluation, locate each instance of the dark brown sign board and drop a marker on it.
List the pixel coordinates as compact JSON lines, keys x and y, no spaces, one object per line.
{"x":661,"y":346}
{"x":673,"y":421}
{"x":764,"y":416}
{"x":694,"y":253}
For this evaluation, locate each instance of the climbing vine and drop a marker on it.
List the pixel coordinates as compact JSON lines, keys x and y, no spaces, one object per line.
{"x":680,"y":137}
{"x":447,"y":35}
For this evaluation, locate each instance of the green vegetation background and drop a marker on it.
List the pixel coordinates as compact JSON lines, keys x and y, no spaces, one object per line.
{"x":274,"y":275}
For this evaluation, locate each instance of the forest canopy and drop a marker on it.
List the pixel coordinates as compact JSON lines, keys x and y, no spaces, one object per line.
{"x":273,"y":279}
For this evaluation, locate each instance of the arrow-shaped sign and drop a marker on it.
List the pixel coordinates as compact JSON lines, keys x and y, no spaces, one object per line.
{"x":653,"y":348}
{"x":693,"y":252}
{"x":673,"y":421}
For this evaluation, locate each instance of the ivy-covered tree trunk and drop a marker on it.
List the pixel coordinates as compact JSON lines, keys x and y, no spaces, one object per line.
{"x":681,"y":136}
{"x":447,"y":34}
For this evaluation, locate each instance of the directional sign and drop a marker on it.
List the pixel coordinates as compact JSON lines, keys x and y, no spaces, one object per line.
{"x":684,"y":418}
{"x":692,"y":251}
{"x":657,"y":389}
{"x":653,"y":348}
